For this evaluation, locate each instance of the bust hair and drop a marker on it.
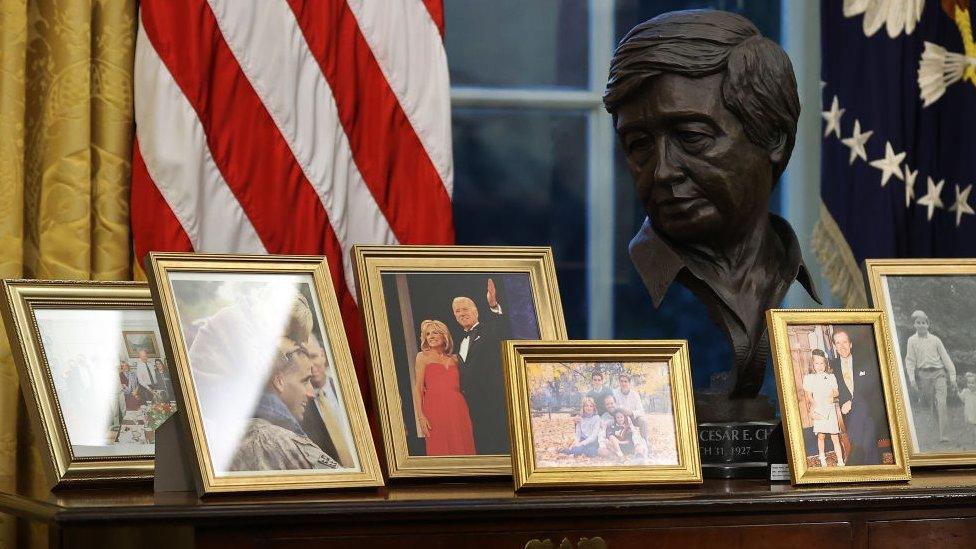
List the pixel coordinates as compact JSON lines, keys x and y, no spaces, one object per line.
{"x":758,"y":86}
{"x":919,"y":314}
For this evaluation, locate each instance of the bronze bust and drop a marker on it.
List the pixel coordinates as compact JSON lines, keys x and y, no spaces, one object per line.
{"x":706,"y":110}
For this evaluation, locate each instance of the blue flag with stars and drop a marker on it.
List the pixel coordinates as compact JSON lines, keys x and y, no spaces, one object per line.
{"x":899,"y":129}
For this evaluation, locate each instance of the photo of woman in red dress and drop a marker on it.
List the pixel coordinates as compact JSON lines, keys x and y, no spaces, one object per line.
{"x":444,"y":420}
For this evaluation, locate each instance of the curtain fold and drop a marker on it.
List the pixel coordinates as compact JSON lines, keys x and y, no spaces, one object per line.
{"x":65,"y":149}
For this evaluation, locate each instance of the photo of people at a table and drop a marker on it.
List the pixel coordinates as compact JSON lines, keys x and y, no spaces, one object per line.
{"x":111,"y":378}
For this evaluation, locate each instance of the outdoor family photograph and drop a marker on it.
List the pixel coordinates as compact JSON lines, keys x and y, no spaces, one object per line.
{"x":446,"y":331}
{"x":263,"y":374}
{"x":932,"y":323}
{"x":840,"y":395}
{"x":601,"y":414}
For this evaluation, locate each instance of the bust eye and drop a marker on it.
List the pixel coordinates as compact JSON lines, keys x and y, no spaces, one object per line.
{"x":692,"y":137}
{"x":639,"y":142}
{"x":693,"y":141}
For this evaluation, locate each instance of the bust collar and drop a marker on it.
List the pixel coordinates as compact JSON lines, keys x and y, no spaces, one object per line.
{"x":659,"y":261}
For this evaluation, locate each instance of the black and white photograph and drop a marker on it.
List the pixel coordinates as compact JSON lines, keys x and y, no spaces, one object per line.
{"x":934,"y":333}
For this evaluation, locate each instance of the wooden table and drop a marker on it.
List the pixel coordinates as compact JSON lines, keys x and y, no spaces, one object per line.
{"x":934,"y":510}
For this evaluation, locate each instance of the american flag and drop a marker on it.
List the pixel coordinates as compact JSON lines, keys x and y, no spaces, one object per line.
{"x":292,"y":127}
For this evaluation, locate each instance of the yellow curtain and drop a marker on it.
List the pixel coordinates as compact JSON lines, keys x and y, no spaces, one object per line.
{"x":65,"y":148}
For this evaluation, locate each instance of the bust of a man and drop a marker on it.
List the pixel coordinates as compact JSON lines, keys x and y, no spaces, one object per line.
{"x":706,"y":110}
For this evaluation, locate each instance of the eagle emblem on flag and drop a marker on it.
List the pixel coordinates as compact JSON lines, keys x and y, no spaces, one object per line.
{"x":939,"y":68}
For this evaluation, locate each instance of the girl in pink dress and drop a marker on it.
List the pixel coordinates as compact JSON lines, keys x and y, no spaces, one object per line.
{"x":444,"y":420}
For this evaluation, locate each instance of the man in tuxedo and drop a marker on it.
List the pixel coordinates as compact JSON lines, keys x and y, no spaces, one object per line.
{"x":482,"y":380}
{"x":861,"y":400}
{"x":324,"y":421}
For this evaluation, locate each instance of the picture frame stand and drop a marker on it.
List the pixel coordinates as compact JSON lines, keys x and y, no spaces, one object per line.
{"x":172,"y":473}
{"x":779,"y":467}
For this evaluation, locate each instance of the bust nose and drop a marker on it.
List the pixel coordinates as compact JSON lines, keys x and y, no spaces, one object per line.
{"x":665,"y":170}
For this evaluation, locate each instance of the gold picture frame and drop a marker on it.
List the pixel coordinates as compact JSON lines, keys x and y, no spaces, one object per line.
{"x":797,"y":338}
{"x":306,"y":279}
{"x":65,"y":307}
{"x":664,"y":364}
{"x":881,"y":273}
{"x":528,"y":272}
{"x":132,"y":347}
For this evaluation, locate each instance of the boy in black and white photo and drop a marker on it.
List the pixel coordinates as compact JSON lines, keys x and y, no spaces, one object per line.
{"x":930,"y":369}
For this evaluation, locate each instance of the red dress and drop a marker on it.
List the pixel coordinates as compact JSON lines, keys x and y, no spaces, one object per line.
{"x":446,"y":412}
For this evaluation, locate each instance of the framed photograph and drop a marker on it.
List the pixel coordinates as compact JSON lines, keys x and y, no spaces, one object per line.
{"x":435,"y":319}
{"x":929,"y":305}
{"x":137,"y":341}
{"x":95,"y":405}
{"x":264,"y":378}
{"x":840,"y":406}
{"x":601,"y":413}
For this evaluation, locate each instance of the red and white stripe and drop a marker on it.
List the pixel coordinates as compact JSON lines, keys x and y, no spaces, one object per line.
{"x":292,"y":127}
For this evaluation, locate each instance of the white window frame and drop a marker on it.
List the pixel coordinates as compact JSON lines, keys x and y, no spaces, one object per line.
{"x":600,"y":142}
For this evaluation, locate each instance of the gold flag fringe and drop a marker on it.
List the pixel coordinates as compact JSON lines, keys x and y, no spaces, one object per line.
{"x":837,"y":262}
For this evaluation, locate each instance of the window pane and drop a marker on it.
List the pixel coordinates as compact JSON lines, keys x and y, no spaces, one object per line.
{"x":764,"y":14}
{"x":520,"y":179}
{"x":514,"y":43}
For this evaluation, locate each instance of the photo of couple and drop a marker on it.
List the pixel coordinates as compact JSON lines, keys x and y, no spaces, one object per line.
{"x":602,"y":414}
{"x":840,"y":395}
{"x":446,"y":330}
{"x":263,"y":373}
